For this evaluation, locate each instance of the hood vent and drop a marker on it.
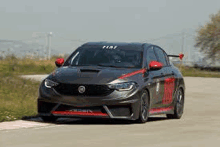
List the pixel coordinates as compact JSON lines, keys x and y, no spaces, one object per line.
{"x":90,"y":70}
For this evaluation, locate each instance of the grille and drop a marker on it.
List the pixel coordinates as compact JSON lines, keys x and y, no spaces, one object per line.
{"x":67,"y":108}
{"x":120,"y":110}
{"x":91,"y":90}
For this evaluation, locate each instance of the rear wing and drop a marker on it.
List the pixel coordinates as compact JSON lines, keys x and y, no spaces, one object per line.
{"x":180,"y":56}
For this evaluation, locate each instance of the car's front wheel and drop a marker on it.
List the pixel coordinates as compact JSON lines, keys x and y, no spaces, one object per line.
{"x":179,"y":105}
{"x":49,"y":118}
{"x":144,"y":107}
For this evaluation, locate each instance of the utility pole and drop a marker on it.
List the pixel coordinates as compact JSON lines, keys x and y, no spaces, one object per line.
{"x":182,"y":48}
{"x":49,"y":35}
{"x":45,"y":49}
{"x":189,"y":55}
{"x":183,"y":37}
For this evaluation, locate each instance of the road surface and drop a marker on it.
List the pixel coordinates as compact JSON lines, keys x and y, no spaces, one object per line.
{"x":199,"y":126}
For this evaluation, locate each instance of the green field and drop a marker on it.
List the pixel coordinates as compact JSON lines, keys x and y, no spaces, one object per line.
{"x":18,"y":96}
{"x":192,"y":72}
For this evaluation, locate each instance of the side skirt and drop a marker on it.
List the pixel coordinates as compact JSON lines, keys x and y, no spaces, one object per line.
{"x":162,"y":110}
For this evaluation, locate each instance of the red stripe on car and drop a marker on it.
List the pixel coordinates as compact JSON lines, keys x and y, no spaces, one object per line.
{"x":155,"y":110}
{"x":133,"y":73}
{"x":79,"y":113}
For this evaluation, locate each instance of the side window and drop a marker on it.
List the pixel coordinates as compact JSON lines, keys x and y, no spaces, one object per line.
{"x":150,"y":55}
{"x":161,"y":56}
{"x":75,"y":59}
{"x":167,"y":58}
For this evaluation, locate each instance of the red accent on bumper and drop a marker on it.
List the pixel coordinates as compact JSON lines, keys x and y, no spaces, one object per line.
{"x":79,"y":113}
{"x":133,"y":73}
{"x":155,"y":110}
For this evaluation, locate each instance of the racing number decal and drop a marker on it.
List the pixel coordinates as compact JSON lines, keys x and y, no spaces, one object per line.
{"x":157,"y":86}
{"x":168,"y":90}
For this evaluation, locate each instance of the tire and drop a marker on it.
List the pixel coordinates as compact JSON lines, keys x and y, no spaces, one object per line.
{"x":144,"y":107}
{"x":179,"y":105}
{"x":49,"y":118}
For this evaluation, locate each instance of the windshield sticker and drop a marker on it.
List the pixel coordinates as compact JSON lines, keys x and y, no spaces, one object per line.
{"x":109,"y":47}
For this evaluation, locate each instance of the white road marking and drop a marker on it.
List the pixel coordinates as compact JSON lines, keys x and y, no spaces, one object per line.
{"x":20,"y":124}
{"x":35,"y":77}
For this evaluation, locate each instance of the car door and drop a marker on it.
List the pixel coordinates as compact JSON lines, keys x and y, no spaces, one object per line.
{"x":169,"y":84}
{"x":162,"y":59}
{"x":155,"y":78}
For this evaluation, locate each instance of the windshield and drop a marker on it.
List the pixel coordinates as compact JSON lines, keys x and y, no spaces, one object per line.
{"x":97,"y":56}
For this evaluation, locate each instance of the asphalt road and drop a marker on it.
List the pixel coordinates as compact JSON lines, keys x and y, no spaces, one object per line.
{"x":199,"y":126}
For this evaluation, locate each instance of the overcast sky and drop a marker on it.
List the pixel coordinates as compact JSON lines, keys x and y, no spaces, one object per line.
{"x":102,"y":20}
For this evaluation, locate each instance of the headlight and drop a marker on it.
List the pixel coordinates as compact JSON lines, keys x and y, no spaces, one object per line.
{"x":49,"y":83}
{"x":123,"y":86}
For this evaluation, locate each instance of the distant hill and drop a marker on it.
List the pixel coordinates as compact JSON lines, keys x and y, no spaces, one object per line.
{"x":20,"y":48}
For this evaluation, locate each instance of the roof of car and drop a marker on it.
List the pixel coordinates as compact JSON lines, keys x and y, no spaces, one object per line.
{"x":138,"y":45}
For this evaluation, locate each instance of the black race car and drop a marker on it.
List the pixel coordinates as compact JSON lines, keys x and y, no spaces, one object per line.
{"x":113,"y":80}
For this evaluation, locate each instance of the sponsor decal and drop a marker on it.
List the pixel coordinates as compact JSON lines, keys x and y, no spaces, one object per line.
{"x":109,"y":47}
{"x":168,"y":90}
{"x":80,"y":112}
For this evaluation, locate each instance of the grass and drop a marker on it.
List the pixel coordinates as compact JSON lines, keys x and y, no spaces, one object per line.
{"x":192,"y":72}
{"x":26,"y":66}
{"x":18,"y":96}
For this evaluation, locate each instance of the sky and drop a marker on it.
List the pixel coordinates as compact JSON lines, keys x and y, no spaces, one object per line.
{"x":105,"y":20}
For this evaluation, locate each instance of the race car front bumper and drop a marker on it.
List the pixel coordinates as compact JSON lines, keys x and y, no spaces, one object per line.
{"x":104,"y":111}
{"x":117,"y":105}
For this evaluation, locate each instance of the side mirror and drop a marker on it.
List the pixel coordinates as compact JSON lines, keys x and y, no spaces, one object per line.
{"x":154,"y":65}
{"x":59,"y":62}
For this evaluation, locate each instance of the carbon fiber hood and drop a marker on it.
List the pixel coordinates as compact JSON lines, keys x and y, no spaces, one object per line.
{"x":88,"y":74}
